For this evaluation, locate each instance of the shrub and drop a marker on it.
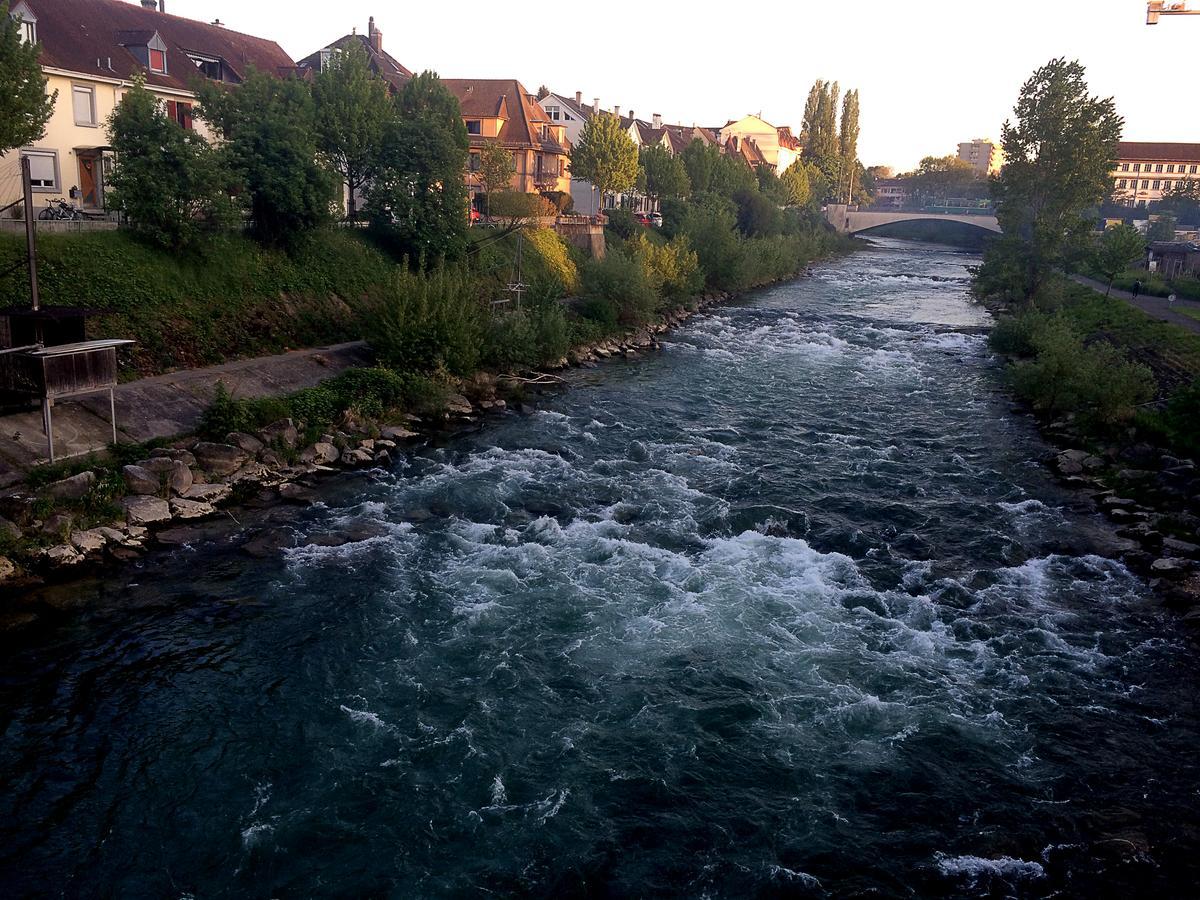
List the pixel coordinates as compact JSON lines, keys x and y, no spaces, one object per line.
{"x":673,"y":268}
{"x":429,"y":323}
{"x":1013,"y":335}
{"x":621,"y":280}
{"x":622,"y":223}
{"x":551,"y":268}
{"x":1182,"y":419}
{"x":526,"y":338}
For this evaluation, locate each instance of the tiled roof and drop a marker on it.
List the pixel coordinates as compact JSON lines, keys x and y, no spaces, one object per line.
{"x":382,"y":63}
{"x":787,"y":139}
{"x":84,"y":35}
{"x":583,"y":112}
{"x":1158,"y":151}
{"x":505,"y":98}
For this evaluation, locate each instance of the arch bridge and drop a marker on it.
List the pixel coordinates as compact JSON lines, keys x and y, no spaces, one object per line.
{"x":851,"y":221}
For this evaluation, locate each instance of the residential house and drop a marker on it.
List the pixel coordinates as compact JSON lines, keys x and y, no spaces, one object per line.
{"x":760,"y":142}
{"x":891,"y":193}
{"x":91,"y":50}
{"x":500,"y":111}
{"x":573,"y":114}
{"x":983,"y":154}
{"x":1146,"y":170}
{"x":381,"y":62}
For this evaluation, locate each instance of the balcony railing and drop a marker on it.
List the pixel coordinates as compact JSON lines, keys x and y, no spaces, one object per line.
{"x":546,"y":176}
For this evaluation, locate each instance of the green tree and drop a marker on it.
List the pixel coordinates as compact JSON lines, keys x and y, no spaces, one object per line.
{"x":1162,"y":228}
{"x":664,"y":175}
{"x":352,"y":111}
{"x":170,"y":183}
{"x":1183,"y":202}
{"x":418,"y":199}
{"x":732,"y":175}
{"x":496,"y":170}
{"x":848,"y":144}
{"x":699,"y":161}
{"x":938,"y":178}
{"x":1118,"y":249}
{"x":796,"y":184}
{"x":269,"y":125}
{"x":1060,"y":152}
{"x":605,"y":155}
{"x":810,"y":126}
{"x":25,"y":107}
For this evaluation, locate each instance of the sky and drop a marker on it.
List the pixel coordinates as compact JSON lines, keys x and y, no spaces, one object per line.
{"x":930,"y":73}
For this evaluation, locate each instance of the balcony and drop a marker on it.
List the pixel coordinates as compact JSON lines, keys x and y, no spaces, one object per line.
{"x":546,"y":176}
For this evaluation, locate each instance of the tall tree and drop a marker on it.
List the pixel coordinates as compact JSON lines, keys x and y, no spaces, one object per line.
{"x":796,"y":183}
{"x":938,"y":178}
{"x":1119,"y":248}
{"x":1060,"y":151}
{"x":269,"y":125}
{"x":496,"y":168}
{"x":848,"y":142}
{"x":25,"y":107}
{"x":605,"y":155}
{"x":418,"y":198}
{"x":700,"y":160}
{"x":352,"y":110}
{"x":170,"y":183}
{"x":811,"y":125}
{"x":663,"y":175}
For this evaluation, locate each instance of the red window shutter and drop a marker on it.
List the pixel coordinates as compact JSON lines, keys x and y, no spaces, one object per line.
{"x":172,"y":112}
{"x":158,"y":61}
{"x":185,"y":116}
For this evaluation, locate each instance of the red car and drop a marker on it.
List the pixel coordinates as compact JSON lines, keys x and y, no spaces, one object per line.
{"x":474,"y":215}
{"x":643,"y":219}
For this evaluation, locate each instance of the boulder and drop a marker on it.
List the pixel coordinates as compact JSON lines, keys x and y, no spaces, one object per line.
{"x":9,"y":530}
{"x":247,"y":443}
{"x":284,"y":432}
{"x":159,"y":465}
{"x":298,"y":494}
{"x":62,"y":555}
{"x":191,"y":509}
{"x":321,"y":453}
{"x":184,"y":456}
{"x":140,"y":480}
{"x":18,"y":507}
{"x":89,"y":542}
{"x":219,"y":459}
{"x":1070,"y":462}
{"x":73,"y":488}
{"x":146,"y":510}
{"x":1169,"y":567}
{"x":356,"y":458}
{"x":383,"y":444}
{"x":207,"y":493}
{"x":57,"y":524}
{"x":398,"y":434}
{"x":1177,"y":548}
{"x":366,"y":444}
{"x":269,"y":543}
{"x":7,"y":569}
{"x":271,"y":459}
{"x":383,"y":458}
{"x":458,"y":405}
{"x":180,"y":478}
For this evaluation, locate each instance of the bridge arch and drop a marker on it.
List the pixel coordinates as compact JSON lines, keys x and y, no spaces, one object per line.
{"x":852,"y":221}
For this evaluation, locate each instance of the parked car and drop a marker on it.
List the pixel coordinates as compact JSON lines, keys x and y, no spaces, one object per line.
{"x":655,"y":220}
{"x":475,"y":215}
{"x":643,"y":219}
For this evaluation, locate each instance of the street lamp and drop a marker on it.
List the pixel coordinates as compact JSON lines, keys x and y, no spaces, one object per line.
{"x":1156,"y":8}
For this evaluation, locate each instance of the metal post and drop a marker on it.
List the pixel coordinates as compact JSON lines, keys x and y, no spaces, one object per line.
{"x":112,"y":407}
{"x":47,"y":419}
{"x":30,"y":231}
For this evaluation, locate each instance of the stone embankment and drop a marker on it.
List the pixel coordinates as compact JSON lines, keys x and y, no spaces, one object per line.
{"x":193,"y":480}
{"x":1153,"y":499}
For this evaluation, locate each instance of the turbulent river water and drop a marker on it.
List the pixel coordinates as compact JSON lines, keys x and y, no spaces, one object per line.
{"x":789,"y":608}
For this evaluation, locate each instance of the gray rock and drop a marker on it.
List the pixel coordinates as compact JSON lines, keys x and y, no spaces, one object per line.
{"x":638,"y":452}
{"x":191,"y":509}
{"x":383,"y":458}
{"x":146,"y":510}
{"x":180,"y":478}
{"x":7,"y":569}
{"x":219,"y":459}
{"x":1177,"y":547}
{"x":321,"y":453}
{"x":458,"y":405}
{"x":140,"y":480}
{"x":159,"y":465}
{"x":356,"y":458}
{"x":384,"y":444}
{"x":1169,"y":567}
{"x":74,"y":488}
{"x":247,"y":443}
{"x":398,"y":434}
{"x":284,"y":431}
{"x":366,"y":444}
{"x":58,"y":524}
{"x":271,"y":459}
{"x":62,"y":555}
{"x":269,"y":543}
{"x":208,"y":493}
{"x":298,"y":494}
{"x":88,"y":542}
{"x":9,"y":529}
{"x":184,"y":456}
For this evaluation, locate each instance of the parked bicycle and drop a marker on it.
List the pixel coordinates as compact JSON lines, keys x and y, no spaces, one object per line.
{"x":59,"y":208}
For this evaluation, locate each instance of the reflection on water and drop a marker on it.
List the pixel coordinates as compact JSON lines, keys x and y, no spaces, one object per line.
{"x":789,"y":608}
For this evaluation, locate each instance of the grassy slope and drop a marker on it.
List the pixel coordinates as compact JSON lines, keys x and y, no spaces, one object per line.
{"x":186,"y":310}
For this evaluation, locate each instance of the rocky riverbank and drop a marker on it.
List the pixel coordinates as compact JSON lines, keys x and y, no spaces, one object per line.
{"x":177,"y":491}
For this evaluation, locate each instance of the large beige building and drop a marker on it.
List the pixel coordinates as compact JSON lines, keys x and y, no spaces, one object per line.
{"x":983,"y":154}
{"x":91,"y":50}
{"x":763,"y":142}
{"x":1146,"y":170}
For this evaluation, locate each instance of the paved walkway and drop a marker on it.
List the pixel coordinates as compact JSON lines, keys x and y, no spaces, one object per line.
{"x":163,"y":406}
{"x":1154,"y":306}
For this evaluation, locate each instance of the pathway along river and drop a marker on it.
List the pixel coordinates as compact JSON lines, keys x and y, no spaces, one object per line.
{"x":790,"y":608}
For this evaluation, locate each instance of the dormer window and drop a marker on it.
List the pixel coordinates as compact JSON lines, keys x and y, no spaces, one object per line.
{"x":209,"y":66}
{"x":147,"y":47}
{"x":26,"y":22}
{"x":158,"y":61}
{"x":474,"y":126}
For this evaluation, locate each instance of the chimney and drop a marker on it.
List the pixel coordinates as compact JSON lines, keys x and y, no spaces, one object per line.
{"x":375,"y":35}
{"x":617,"y":111}
{"x":150,"y":4}
{"x":657,"y":119}
{"x":162,"y":6}
{"x":595,"y":106}
{"x":631,"y":115}
{"x":579,"y":99}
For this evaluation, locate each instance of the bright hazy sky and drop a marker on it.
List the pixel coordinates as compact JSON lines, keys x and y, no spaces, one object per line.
{"x":931,"y":73}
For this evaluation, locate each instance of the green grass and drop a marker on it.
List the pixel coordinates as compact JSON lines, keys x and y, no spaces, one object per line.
{"x":1190,"y":311}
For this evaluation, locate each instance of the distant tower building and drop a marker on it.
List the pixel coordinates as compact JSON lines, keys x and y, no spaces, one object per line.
{"x":983,"y":154}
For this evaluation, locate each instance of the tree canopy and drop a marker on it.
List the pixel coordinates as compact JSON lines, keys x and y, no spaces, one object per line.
{"x":25,"y":107}
{"x":1119,"y":248}
{"x":352,"y":112}
{"x":605,"y":155}
{"x":938,"y":178}
{"x":663,"y":175}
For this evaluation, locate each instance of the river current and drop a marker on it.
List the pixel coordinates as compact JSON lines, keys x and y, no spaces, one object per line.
{"x":790,"y":608}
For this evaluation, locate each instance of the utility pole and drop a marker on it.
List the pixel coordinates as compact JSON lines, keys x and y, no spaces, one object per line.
{"x":30,"y":232}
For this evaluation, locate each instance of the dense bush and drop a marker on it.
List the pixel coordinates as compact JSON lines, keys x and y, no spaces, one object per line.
{"x":548,"y":263}
{"x":532,"y":336}
{"x":429,"y":323}
{"x":620,"y":281}
{"x":622,"y":223}
{"x":1182,"y":419}
{"x":672,"y":268}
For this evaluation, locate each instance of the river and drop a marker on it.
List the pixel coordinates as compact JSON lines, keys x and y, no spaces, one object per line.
{"x":790,"y":608}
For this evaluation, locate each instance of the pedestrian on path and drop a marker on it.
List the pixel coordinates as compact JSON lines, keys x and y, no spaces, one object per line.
{"x":1171,"y":299}
{"x":1137,"y":289}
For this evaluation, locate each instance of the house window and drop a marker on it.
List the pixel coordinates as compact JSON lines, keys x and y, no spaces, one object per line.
{"x":28,"y":31}
{"x":552,"y":112}
{"x":158,"y":60}
{"x":1145,"y":185}
{"x":1137,"y":167}
{"x":1156,"y":184}
{"x":473,"y":162}
{"x":84,"y":100}
{"x":1171,"y":167}
{"x":1158,"y":168}
{"x":43,"y":169}
{"x":1192,"y":170}
{"x":1124,"y":167}
{"x":180,"y":113}
{"x":474,"y":126}
{"x":1123,"y":183}
{"x":208,"y":66}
